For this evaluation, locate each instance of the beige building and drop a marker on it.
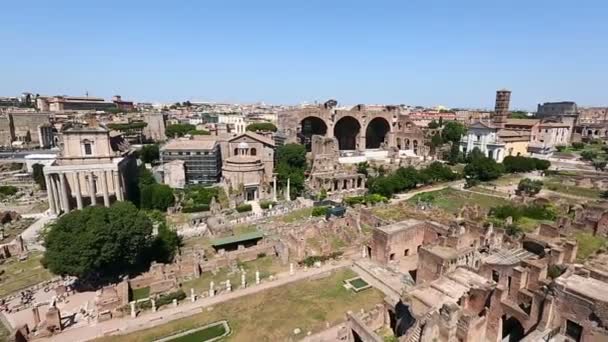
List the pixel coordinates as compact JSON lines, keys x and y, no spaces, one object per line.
{"x":248,"y":164}
{"x":92,"y":169}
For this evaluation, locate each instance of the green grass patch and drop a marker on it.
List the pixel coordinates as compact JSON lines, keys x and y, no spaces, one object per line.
{"x":141,"y":293}
{"x":588,"y":245}
{"x":557,"y":186}
{"x":272,"y":315}
{"x":203,"y":335}
{"x":267,"y":266}
{"x":452,"y":200}
{"x":296,"y":215}
{"x":22,"y":274}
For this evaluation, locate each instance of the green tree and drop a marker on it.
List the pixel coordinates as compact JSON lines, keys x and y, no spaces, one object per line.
{"x":98,"y":243}
{"x":362,"y":168}
{"x":529,"y":187}
{"x":588,"y":155}
{"x":261,"y":126}
{"x":149,"y":153}
{"x":433,"y":124}
{"x":157,"y":196}
{"x":291,"y":164}
{"x":483,"y":169}
{"x":453,"y":131}
{"x":179,"y":130}
{"x":518,"y":114}
{"x":38,"y":175}
{"x":454,"y":156}
{"x":441,"y":121}
{"x":436,"y":141}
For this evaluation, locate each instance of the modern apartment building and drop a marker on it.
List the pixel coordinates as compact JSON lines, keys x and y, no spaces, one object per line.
{"x":202,"y":158}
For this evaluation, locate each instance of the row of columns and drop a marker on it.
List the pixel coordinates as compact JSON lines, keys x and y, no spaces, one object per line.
{"x":341,"y":184}
{"x":59,"y":192}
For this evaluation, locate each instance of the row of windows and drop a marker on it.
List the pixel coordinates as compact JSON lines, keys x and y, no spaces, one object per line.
{"x":198,"y":153}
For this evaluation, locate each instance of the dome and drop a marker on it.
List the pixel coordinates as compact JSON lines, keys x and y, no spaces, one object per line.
{"x":243,"y":145}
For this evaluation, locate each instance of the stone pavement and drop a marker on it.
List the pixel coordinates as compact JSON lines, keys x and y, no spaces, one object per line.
{"x":407,"y":195}
{"x":30,"y":235}
{"x":150,"y":319}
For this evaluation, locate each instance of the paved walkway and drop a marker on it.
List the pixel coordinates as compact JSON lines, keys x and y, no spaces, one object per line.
{"x":30,"y":235}
{"x":187,"y":308}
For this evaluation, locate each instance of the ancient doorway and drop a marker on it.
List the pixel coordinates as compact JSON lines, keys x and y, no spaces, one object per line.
{"x":574,"y":330}
{"x":346,"y":131}
{"x":376,"y":132}
{"x":310,"y":126}
{"x":512,"y":330}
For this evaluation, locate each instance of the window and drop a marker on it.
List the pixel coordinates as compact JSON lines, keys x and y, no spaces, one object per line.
{"x":495,"y":276}
{"x":574,"y":330}
{"x":87,"y":149}
{"x":253,"y":152}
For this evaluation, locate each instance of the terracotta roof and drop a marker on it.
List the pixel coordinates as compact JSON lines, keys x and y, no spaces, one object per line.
{"x":522,"y":122}
{"x":255,"y":136}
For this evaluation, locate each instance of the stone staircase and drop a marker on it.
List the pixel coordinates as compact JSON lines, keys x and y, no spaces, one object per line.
{"x":255,"y":207}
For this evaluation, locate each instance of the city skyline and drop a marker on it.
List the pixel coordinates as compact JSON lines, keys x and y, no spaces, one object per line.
{"x":454,"y":55}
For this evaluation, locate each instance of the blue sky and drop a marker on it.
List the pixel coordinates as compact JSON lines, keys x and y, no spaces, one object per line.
{"x":453,"y":53}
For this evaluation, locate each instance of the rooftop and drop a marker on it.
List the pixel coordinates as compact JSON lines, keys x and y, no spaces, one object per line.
{"x":183,"y":144}
{"x":588,"y":287}
{"x":237,"y":238}
{"x":508,"y":256}
{"x":399,"y":226}
{"x":522,"y":122}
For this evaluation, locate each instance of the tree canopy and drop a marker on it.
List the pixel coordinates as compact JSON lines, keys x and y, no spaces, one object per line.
{"x":482,"y":168}
{"x":529,"y":187}
{"x":99,"y":243}
{"x":262,"y":126}
{"x":453,"y":131}
{"x":149,"y":153}
{"x":179,"y":130}
{"x":291,"y":164}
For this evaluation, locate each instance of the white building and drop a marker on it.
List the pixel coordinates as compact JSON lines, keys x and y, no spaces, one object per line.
{"x":237,"y":121}
{"x":483,"y":136}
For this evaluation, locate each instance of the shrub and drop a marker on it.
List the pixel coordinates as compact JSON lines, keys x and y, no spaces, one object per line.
{"x":241,"y":208}
{"x":8,"y":190}
{"x":265,"y":204}
{"x":320,"y":211}
{"x":588,"y":155}
{"x":560,"y":148}
{"x":261,"y":126}
{"x":168,"y":298}
{"x":578,"y":145}
{"x":555,"y":271}
{"x":196,"y":208}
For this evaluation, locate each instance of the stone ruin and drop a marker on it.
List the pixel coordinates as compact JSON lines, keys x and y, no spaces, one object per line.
{"x":326,"y":171}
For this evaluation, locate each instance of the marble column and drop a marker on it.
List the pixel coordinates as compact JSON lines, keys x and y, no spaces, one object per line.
{"x":287,"y":194}
{"x":78,"y":191}
{"x":117,"y":186}
{"x":92,"y":190}
{"x":55,"y":194}
{"x":104,"y":189}
{"x":49,"y":193}
{"x":64,"y":192}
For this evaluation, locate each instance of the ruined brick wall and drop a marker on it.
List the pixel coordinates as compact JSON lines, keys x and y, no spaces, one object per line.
{"x":430,"y":266}
{"x":6,"y":131}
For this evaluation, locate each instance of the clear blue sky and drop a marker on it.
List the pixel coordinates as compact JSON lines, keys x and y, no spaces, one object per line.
{"x":454,"y":53}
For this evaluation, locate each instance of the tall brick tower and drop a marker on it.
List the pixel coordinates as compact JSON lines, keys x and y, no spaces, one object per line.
{"x":501,"y":109}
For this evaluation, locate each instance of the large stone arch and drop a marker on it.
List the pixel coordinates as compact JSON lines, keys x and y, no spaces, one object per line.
{"x":347,"y":131}
{"x":512,"y":329}
{"x":377,"y":132}
{"x":311,"y":125}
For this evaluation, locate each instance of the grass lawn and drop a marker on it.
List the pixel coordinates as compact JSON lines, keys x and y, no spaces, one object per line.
{"x":589,"y":244}
{"x":452,"y":200}
{"x":4,"y":332}
{"x":202,"y":335}
{"x":266,"y":265}
{"x":296,"y":215}
{"x":272,"y":315}
{"x":528,"y":225}
{"x":557,"y":186}
{"x":140,"y":293}
{"x":505,"y":180}
{"x":488,"y":190}
{"x":21,"y":274}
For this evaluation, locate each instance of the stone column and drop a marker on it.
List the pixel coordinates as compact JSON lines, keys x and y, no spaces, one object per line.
{"x":104,"y":189}
{"x":228,"y":285}
{"x":117,"y":186}
{"x":49,"y":194}
{"x":257,"y":277}
{"x":133,"y":312}
{"x":287,"y":194}
{"x":153,"y":305}
{"x":192,"y":296}
{"x":55,"y":194}
{"x":291,"y":271}
{"x":211,"y":289}
{"x":92,"y":190}
{"x":274,"y":188}
{"x":243,"y":280}
{"x":64,"y":192}
{"x":78,"y":192}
